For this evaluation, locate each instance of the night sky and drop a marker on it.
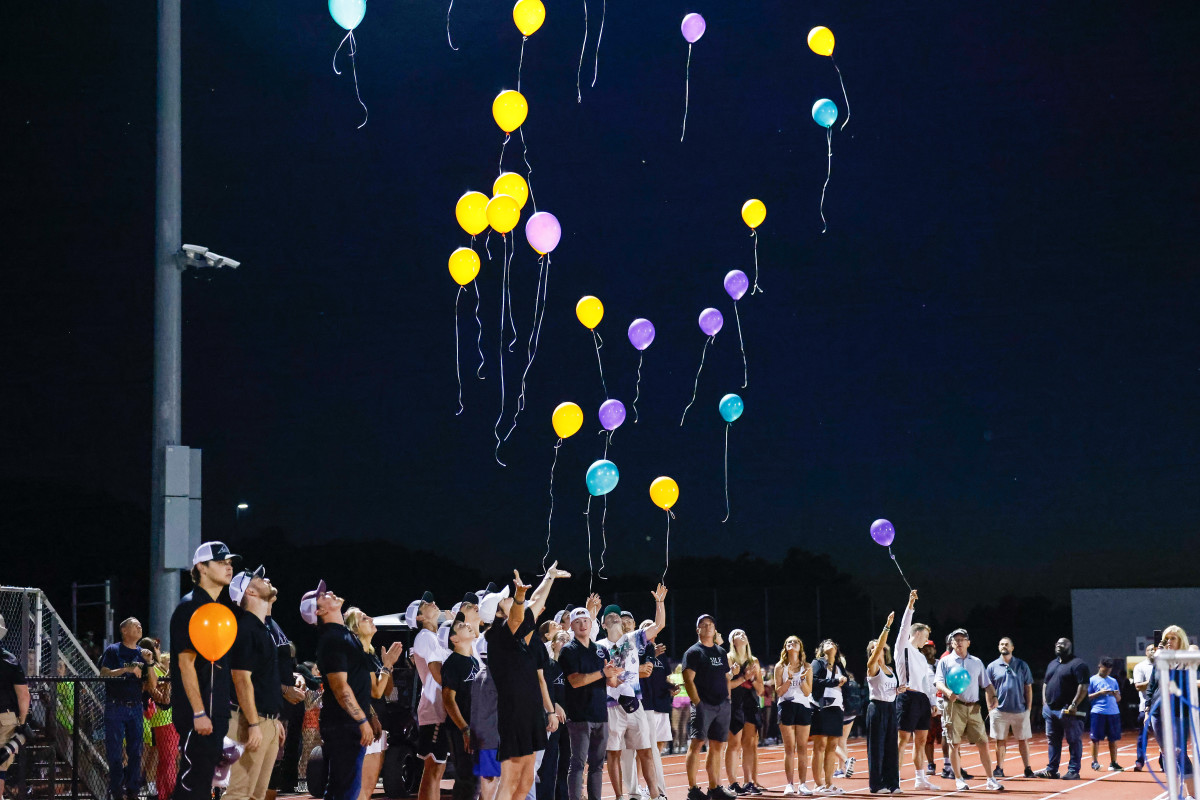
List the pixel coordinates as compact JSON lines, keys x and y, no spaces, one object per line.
{"x":994,"y":345}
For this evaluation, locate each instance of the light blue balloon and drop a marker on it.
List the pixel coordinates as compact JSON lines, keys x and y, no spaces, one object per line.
{"x":602,"y":477}
{"x":731,"y":407}
{"x":957,"y":680}
{"x":824,"y":111}
{"x":348,"y":13}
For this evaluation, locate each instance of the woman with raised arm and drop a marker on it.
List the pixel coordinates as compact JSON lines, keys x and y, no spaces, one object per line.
{"x":883,"y":752}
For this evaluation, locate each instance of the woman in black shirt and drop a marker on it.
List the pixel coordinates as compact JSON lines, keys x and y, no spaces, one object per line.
{"x":828,"y":678}
{"x":380,"y":666}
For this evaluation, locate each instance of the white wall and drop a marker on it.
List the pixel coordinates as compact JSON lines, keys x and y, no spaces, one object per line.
{"x":1109,"y":622}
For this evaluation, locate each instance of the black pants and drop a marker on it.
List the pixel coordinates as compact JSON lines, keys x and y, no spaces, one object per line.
{"x":547,"y":777}
{"x":564,"y":763}
{"x":286,"y":771}
{"x":198,"y":757}
{"x":343,"y":761}
{"x":465,"y":782}
{"x":883,"y":753}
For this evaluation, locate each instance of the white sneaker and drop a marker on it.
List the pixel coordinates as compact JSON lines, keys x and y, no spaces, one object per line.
{"x":832,"y":790}
{"x":922,"y":782}
{"x":803,"y":789}
{"x":849,"y":769}
{"x":993,"y":785}
{"x":897,"y":790}
{"x":644,"y":792}
{"x":789,"y":789}
{"x":961,"y":785}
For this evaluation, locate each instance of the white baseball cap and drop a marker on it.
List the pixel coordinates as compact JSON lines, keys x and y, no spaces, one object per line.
{"x":237,"y":587}
{"x":308,"y":603}
{"x":489,"y":604}
{"x":443,"y":635}
{"x":580,"y":613}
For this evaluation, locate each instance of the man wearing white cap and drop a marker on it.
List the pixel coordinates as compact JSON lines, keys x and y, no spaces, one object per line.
{"x":433,"y":743}
{"x":348,"y":722}
{"x":254,"y":663}
{"x":202,"y":717}
{"x":588,"y":671}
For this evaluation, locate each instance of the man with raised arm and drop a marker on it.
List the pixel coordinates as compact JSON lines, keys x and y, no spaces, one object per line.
{"x":914,"y":705}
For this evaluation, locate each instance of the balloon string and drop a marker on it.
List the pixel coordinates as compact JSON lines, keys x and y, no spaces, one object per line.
{"x":844,"y":95}
{"x":457,"y":370}
{"x":637,"y":387}
{"x":582,"y":50}
{"x":486,"y":240}
{"x":587,"y":516}
{"x":687,"y":88}
{"x":503,"y":145}
{"x":696,"y":386}
{"x":521,"y":62}
{"x":550,"y":518}
{"x":897,"y":563}
{"x":600,"y":343}
{"x":528,"y":169}
{"x":754,"y":236}
{"x":535,"y":334}
{"x":353,"y":70}
{"x":603,"y":539}
{"x":599,"y":36}
{"x":667,"y":559}
{"x":448,"y":39}
{"x":479,"y":336}
{"x":512,"y":251}
{"x":828,"y":172}
{"x":503,"y":297}
{"x":727,"y":427}
{"x":745,"y":366}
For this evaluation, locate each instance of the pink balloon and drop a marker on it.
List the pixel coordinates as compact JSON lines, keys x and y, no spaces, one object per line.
{"x":542,"y":231}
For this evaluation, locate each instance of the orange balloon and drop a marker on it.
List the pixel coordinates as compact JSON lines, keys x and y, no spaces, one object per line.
{"x":212,"y":630}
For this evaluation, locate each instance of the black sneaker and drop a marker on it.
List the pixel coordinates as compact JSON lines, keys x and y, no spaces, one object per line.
{"x":737,"y":788}
{"x":1071,"y":775}
{"x":1095,"y":766}
{"x":1029,"y":772}
{"x":1115,"y":767}
{"x":931,"y":769}
{"x":720,"y":793}
{"x":998,"y":773}
{"x":754,"y":788}
{"x":1046,"y":773}
{"x":696,"y":793}
{"x":946,"y":773}
{"x":966,"y":776}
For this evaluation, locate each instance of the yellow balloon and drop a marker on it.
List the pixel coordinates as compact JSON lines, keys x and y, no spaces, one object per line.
{"x":754,"y":212}
{"x":820,"y":41}
{"x":503,"y":213}
{"x":567,"y":420}
{"x":590,"y":311}
{"x":513,"y":185}
{"x":529,"y":16}
{"x":664,"y":492}
{"x":470,"y":211}
{"x":509,"y":109}
{"x":464,"y":265}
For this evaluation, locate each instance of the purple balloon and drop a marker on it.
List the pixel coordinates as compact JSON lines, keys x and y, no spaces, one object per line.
{"x":542,"y":231}
{"x":711,"y":321}
{"x":736,"y":283}
{"x":693,"y":27}
{"x":641,"y":333}
{"x":612,"y":414}
{"x":883,"y":533}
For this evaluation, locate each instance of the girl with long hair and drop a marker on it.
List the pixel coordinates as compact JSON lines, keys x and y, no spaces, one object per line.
{"x":380,"y":666}
{"x":883,"y":750}
{"x":828,"y":678}
{"x":793,"y":687}
{"x":744,"y":719}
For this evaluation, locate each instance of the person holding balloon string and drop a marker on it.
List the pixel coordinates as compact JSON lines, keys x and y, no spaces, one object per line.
{"x":348,"y":722}
{"x":914,"y":706}
{"x":960,"y":676}
{"x":883,"y":752}
{"x":203,"y":628}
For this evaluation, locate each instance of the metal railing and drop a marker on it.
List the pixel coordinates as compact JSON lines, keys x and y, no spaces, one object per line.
{"x":1177,"y":680}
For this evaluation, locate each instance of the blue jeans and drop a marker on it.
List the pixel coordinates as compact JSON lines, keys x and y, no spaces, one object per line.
{"x":1143,"y":729}
{"x":343,"y":761}
{"x":124,"y":727}
{"x":1056,"y":728}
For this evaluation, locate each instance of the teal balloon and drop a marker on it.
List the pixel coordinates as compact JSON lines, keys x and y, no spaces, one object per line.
{"x":731,"y":407}
{"x":957,"y":680}
{"x":348,"y":13}
{"x":824,"y":111}
{"x":602,"y":477}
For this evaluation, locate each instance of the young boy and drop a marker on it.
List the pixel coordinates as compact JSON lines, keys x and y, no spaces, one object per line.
{"x":458,"y":671}
{"x":1104,"y":693}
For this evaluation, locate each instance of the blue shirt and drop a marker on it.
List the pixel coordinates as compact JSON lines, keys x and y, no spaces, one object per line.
{"x":1106,"y":704}
{"x":1009,"y":680}
{"x":129,"y":688}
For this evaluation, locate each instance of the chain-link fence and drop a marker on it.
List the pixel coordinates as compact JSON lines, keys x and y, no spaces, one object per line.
{"x":63,"y":752}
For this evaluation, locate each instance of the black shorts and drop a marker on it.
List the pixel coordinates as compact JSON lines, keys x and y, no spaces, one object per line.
{"x":827,"y":722}
{"x":709,"y":723}
{"x":795,"y":713}
{"x":433,"y":741}
{"x":743,"y":711}
{"x":913,"y":712}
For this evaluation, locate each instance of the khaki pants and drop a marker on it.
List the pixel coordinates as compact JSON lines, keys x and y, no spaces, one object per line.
{"x":8,"y":726}
{"x":250,"y":775}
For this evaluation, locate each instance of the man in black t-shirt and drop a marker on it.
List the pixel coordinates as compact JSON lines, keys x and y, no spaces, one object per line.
{"x":123,"y":721}
{"x":1063,"y":690}
{"x":588,"y":671}
{"x":286,"y":770}
{"x":254,"y":664}
{"x":706,"y":677}
{"x":200,"y":689}
{"x":14,"y":701}
{"x":347,"y":722}
{"x":459,"y":670}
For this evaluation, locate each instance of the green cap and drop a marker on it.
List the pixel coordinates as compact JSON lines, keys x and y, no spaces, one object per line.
{"x":611,"y":609}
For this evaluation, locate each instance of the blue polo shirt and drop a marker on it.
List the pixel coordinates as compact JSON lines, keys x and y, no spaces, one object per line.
{"x":1106,"y":704}
{"x":129,"y":688}
{"x":1009,"y":680}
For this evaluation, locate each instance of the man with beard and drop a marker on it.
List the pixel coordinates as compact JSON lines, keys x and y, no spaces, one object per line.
{"x":1013,"y":682}
{"x":1063,"y":690}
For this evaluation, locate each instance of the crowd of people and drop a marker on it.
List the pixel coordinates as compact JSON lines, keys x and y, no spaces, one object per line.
{"x":545,"y":710}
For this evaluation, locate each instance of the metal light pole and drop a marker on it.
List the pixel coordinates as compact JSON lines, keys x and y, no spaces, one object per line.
{"x":168,"y":240}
